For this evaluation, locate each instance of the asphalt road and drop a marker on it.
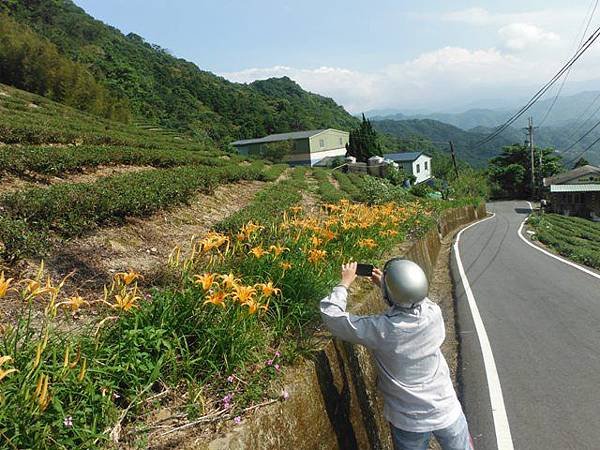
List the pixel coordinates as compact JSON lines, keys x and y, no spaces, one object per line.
{"x":542,"y":319}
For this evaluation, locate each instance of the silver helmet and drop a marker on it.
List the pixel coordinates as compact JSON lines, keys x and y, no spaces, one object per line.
{"x":404,"y":283}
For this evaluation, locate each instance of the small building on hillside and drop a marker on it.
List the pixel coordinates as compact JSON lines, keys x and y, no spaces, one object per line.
{"x":575,"y":193}
{"x":306,"y":147}
{"x":414,"y":163}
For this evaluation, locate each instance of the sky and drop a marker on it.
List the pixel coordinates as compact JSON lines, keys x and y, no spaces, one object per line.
{"x":378,"y":54}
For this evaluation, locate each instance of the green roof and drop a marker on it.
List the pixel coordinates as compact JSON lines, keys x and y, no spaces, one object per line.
{"x":282,"y":137}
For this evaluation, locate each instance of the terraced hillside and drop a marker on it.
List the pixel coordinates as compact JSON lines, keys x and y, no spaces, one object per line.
{"x":64,"y":173}
{"x":178,"y":281}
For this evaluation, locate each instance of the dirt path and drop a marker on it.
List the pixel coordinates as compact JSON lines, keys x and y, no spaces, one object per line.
{"x":144,"y":244}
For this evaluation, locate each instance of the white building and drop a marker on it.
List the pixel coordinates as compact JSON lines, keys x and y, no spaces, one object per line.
{"x":307,"y":147}
{"x":414,"y":163}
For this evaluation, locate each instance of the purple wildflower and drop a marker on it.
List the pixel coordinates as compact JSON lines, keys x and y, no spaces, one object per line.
{"x":270,"y":362}
{"x":277,"y":354}
{"x":277,"y":367}
{"x":237,"y":420}
{"x":230,"y":378}
{"x":227,"y":401}
{"x":285,"y":394}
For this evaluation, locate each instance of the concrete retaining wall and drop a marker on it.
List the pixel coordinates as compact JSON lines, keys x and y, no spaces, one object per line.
{"x":333,"y":402}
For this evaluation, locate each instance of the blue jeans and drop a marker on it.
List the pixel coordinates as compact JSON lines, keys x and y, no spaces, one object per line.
{"x":454,"y":437}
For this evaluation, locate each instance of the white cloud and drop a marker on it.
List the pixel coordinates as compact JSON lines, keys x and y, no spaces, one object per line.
{"x":433,"y":77}
{"x":528,"y":50}
{"x":519,"y":36}
{"x":555,"y":18}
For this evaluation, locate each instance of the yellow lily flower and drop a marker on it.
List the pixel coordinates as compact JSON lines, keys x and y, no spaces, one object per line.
{"x":128,"y":277}
{"x":126,"y":301}
{"x":258,"y":252}
{"x":74,"y":303}
{"x":285,"y":265}
{"x":369,"y":243}
{"x":229,"y":281}
{"x":5,"y":373}
{"x":315,"y":241}
{"x":244,"y":294}
{"x":268,"y":289}
{"x":217,"y":298}
{"x":41,"y":392}
{"x":4,"y":285}
{"x":206,"y":280}
{"x":278,"y":249}
{"x":315,"y":256}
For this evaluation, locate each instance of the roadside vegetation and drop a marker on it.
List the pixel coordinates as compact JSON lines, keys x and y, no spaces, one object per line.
{"x":237,"y":312}
{"x":573,"y":237}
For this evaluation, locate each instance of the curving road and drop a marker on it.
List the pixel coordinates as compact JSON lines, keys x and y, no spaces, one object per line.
{"x":542,"y":319}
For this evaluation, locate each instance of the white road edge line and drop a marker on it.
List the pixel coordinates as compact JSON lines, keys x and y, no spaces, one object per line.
{"x":552,"y":255}
{"x":501,"y":426}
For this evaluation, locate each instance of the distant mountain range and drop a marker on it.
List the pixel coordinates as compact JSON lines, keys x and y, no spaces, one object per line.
{"x":569,"y":118}
{"x":567,"y":110}
{"x":464,"y":141}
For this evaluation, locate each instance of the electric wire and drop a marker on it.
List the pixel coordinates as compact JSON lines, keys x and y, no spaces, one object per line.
{"x":593,"y":37}
{"x":566,"y":77}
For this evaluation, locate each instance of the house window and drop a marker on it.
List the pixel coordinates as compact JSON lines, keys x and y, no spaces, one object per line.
{"x":321,"y":143}
{"x":418,"y":168}
{"x":341,"y":142}
{"x":426,"y":162}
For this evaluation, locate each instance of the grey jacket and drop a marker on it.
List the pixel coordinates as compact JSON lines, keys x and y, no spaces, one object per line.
{"x":413,"y":374}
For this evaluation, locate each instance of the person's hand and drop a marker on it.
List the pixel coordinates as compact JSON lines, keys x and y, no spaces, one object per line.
{"x":348,"y":274}
{"x":377,"y":277}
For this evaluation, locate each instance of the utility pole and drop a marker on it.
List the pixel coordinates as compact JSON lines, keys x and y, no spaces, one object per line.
{"x":453,"y":158}
{"x":530,"y":132}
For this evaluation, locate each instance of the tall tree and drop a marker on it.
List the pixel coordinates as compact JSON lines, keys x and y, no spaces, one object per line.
{"x":364,"y":141}
{"x":510,"y":172}
{"x":580,"y":162}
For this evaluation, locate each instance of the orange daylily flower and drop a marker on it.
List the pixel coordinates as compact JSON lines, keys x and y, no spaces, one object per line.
{"x":206,"y":280}
{"x":4,"y":285}
{"x":217,"y":298}
{"x":128,"y":277}
{"x":268,"y":289}
{"x":5,"y":373}
{"x":74,"y":303}
{"x":41,"y":392}
{"x":259,"y":252}
{"x":126,"y":302}
{"x":229,"y":281}
{"x":285,"y":265}
{"x":278,"y":249}
{"x":315,"y":241}
{"x":244,"y":294}
{"x":315,"y":256}
{"x":369,"y":243}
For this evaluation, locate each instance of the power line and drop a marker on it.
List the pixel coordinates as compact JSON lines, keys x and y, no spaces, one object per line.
{"x":585,"y":150}
{"x":566,"y":77}
{"x":582,"y":137}
{"x":584,"y":123}
{"x":541,"y":91}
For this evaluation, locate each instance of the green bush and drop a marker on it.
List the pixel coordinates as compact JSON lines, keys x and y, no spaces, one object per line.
{"x":58,"y":161}
{"x":573,"y":237}
{"x":420,"y":190}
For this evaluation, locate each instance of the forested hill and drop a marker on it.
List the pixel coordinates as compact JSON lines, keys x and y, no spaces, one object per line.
{"x":560,"y":138}
{"x":156,"y":86}
{"x":440,"y":133}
